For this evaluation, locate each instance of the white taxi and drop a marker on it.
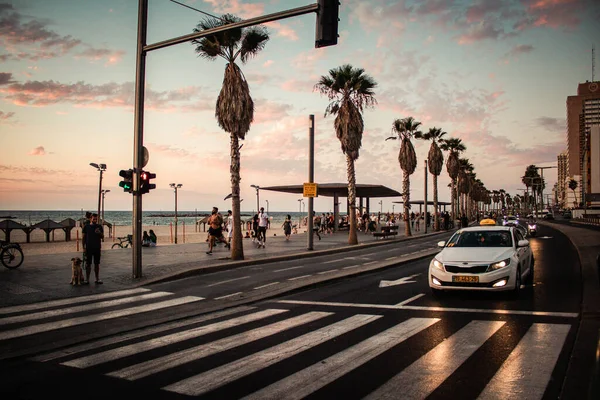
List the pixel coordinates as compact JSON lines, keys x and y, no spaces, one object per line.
{"x":486,"y":258}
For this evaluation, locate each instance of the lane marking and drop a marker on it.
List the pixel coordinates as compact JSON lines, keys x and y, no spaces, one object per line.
{"x":528,"y":368}
{"x":299,"y":277}
{"x":195,"y":353}
{"x":422,"y":377}
{"x":311,"y":379}
{"x":332,"y":261}
{"x":372,"y":262}
{"x":96,"y":344}
{"x":390,"y":258}
{"x":411,"y":299}
{"x":267,"y":285}
{"x":124,"y":351}
{"x":84,"y":307}
{"x":327,"y":272}
{"x":227,"y":281}
{"x":30,"y":330}
{"x":351,"y":266}
{"x":228,"y":295}
{"x":441,"y":309}
{"x":217,"y":377}
{"x":69,"y":301}
{"x":288,"y":269}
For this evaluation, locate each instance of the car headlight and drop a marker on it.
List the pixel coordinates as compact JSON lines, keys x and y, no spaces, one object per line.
{"x":438,"y":265}
{"x":499,"y":265}
{"x":532,"y":226}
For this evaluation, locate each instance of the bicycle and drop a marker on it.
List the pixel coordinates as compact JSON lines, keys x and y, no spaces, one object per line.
{"x":124,"y":242}
{"x":11,"y":255}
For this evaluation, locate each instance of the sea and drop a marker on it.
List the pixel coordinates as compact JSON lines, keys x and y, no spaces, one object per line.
{"x":121,"y":218}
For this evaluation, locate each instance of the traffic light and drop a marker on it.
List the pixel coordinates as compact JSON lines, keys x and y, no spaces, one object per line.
{"x":327,"y":23}
{"x":127,"y":182}
{"x":145,"y":185}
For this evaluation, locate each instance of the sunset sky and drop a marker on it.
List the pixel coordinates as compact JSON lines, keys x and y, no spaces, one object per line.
{"x":494,"y":73}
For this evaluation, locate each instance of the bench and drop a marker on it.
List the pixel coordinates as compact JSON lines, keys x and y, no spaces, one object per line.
{"x":384,"y":233}
{"x":391,"y":228}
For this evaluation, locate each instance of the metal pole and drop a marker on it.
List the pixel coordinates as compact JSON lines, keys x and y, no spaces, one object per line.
{"x":311,"y":177}
{"x":100,"y":197}
{"x":103,"y":195}
{"x":425,"y":216}
{"x":138,"y":137}
{"x":257,"y":201}
{"x":175,"y":214}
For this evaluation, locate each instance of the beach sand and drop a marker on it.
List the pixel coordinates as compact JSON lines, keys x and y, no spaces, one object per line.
{"x":164,"y":233}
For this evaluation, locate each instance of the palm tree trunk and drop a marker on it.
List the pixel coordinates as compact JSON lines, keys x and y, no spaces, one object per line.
{"x":352,"y":235}
{"x":453,"y":199}
{"x":237,"y":248}
{"x":406,"y":197}
{"x":436,"y":220}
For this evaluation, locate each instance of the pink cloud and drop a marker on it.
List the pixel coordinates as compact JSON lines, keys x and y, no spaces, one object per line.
{"x":6,"y":116}
{"x":38,"y":151}
{"x":268,"y":63}
{"x":266,"y":111}
{"x":93,"y":54}
{"x":236,"y":7}
{"x":283,"y":30}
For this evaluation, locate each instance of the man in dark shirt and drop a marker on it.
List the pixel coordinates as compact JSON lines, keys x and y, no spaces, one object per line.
{"x":92,"y":245}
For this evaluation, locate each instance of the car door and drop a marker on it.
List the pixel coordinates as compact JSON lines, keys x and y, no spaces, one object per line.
{"x":523,"y":252}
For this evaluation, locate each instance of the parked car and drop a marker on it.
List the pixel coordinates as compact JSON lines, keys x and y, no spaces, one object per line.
{"x":567,"y":214}
{"x":483,"y":258}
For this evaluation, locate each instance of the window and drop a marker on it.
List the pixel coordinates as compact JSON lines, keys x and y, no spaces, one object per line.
{"x":481,"y":239}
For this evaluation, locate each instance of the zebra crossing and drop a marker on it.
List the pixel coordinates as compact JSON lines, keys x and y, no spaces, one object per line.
{"x":226,"y":347}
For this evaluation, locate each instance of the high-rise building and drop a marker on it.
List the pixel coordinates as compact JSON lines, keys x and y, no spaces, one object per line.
{"x":563,"y":179}
{"x":583,"y":112}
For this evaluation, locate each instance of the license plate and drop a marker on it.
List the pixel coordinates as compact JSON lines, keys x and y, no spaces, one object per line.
{"x":465,"y":279}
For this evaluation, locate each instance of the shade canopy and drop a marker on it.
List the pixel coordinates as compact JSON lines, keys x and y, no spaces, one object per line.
{"x":421,"y":202}
{"x":339,"y":189}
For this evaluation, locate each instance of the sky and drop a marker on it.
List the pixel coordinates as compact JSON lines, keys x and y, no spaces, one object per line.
{"x":494,"y":73}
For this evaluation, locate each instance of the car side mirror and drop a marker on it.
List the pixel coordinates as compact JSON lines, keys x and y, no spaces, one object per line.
{"x":441,"y":244}
{"x":523,"y":243}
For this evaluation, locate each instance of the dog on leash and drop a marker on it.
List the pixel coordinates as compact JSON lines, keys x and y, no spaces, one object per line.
{"x":76,"y":271}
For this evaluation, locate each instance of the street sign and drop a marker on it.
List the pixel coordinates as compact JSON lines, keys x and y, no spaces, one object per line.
{"x":310,"y":190}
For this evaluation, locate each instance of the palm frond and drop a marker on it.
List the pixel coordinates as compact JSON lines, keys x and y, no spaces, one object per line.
{"x":255,"y":39}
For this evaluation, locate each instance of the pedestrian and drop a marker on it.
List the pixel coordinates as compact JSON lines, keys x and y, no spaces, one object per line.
{"x":215,"y":230}
{"x":153,"y":238}
{"x":316,"y":224}
{"x":145,"y":239}
{"x":255,"y":228}
{"x":92,"y":246}
{"x":287,"y":227}
{"x":263,"y":222}
{"x":229,"y":226}
{"x":417,"y":222}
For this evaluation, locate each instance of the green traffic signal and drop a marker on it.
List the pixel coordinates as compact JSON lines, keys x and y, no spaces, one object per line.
{"x":127,"y":182}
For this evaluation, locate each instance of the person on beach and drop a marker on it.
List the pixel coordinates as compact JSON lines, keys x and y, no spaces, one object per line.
{"x":287,"y":227}
{"x":263,"y":222}
{"x":92,"y":246}
{"x":215,"y":230}
{"x":153,"y":238}
{"x":254,"y":228}
{"x":145,"y":239}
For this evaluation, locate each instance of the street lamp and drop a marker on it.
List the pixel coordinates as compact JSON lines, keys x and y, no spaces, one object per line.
{"x":267,"y":206}
{"x":175,"y":186}
{"x":300,"y":212}
{"x":257,"y":202}
{"x":104,"y":191}
{"x":101,"y":168}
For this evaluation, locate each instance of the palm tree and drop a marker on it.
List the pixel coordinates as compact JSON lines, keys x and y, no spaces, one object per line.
{"x":573,"y":186}
{"x":234,"y":109}
{"x":464,"y":179}
{"x":530,"y":178}
{"x":455,"y":146}
{"x":406,"y":129}
{"x":350,"y":90}
{"x":435,"y":161}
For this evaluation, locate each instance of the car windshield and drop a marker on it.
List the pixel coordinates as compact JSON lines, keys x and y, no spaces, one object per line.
{"x":480,"y":239}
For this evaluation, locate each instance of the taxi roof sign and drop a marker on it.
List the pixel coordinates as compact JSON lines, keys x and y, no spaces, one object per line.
{"x":487,"y":221}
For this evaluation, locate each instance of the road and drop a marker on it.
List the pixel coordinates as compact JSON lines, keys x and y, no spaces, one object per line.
{"x":377,"y":334}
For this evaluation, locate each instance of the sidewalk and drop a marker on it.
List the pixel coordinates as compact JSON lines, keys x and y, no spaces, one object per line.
{"x":46,"y":276}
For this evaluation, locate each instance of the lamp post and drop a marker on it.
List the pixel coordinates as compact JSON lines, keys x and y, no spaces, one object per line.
{"x":300,"y":212}
{"x":267,"y":206}
{"x":101,"y":168}
{"x":257,"y":196}
{"x":103,"y":194}
{"x":176,"y":186}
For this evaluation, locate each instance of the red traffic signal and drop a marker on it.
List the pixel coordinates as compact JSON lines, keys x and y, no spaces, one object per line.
{"x":145,"y":185}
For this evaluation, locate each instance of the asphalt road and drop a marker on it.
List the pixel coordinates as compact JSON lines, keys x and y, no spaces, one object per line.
{"x":378,"y":334}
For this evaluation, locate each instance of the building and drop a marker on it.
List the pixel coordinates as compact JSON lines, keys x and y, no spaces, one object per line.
{"x":563,"y":179}
{"x":583,"y":112}
{"x":593,"y":166}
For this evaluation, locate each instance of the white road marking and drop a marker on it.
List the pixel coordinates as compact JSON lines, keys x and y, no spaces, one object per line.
{"x":172,"y":360}
{"x":411,"y":299}
{"x":124,"y":351}
{"x":527,"y":370}
{"x":311,"y":379}
{"x":288,"y":269}
{"x":227,"y":281}
{"x":228,"y":295}
{"x":267,"y":285}
{"x":372,"y":262}
{"x":81,"y":308}
{"x":391,"y":258}
{"x":96,"y":344}
{"x":422,"y":377}
{"x":299,"y":277}
{"x":69,"y":301}
{"x":401,"y":281}
{"x":441,"y":309}
{"x":50,"y":326}
{"x":327,"y":272}
{"x":214,"y":378}
{"x":332,"y":261}
{"x":351,"y":266}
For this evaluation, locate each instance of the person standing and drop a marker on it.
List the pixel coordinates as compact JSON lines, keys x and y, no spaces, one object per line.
{"x":263,"y":222}
{"x":92,"y":246}
{"x":287,"y":227}
{"x":316,"y":224}
{"x":229,"y":226}
{"x":215,"y":230}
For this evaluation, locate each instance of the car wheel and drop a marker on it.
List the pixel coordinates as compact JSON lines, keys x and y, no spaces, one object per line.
{"x":531,"y":276}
